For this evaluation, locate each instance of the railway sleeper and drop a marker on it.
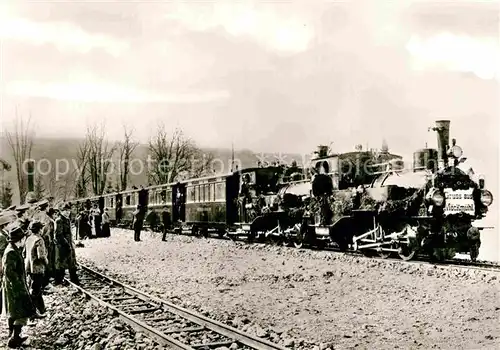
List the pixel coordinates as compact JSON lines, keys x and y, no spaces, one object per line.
{"x":212,"y":345}
{"x":142,"y":311}
{"x":185,"y":330}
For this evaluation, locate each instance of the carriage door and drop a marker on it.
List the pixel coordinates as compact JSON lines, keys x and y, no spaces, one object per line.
{"x":101,"y":204}
{"x":118,"y":209}
{"x":232,"y":191}
{"x":179,"y":202}
{"x":143,"y":200}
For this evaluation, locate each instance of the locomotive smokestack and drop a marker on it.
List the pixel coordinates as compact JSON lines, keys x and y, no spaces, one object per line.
{"x":443,"y":131}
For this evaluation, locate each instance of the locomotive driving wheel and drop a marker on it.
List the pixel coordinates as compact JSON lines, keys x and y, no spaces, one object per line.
{"x":384,"y":254}
{"x":406,"y":252}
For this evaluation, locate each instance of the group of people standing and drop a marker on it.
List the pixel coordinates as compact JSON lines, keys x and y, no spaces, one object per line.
{"x":36,"y":246}
{"x":92,"y":223}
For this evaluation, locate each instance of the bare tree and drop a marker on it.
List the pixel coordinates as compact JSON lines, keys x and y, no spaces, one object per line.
{"x":21,"y":143}
{"x":65,"y":187}
{"x":81,"y":175}
{"x":39,"y":188}
{"x":100,"y":153}
{"x":173,"y":155}
{"x":6,"y":195}
{"x":127,"y":148}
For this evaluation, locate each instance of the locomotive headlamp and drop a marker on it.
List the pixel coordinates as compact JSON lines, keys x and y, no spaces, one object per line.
{"x":486,"y":198}
{"x":436,"y":197}
{"x":456,"y":151}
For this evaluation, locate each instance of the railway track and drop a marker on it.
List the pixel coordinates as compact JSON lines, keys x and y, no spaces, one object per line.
{"x":457,"y":263}
{"x":167,"y":324}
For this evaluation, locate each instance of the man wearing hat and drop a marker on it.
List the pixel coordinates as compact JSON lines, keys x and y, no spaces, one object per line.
{"x":64,"y":251}
{"x":17,"y":305}
{"x":35,"y":263}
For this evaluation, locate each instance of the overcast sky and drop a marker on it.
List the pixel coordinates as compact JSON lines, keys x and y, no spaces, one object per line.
{"x":270,"y":76}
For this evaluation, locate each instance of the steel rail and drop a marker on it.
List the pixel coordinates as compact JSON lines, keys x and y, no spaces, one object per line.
{"x":161,"y":337}
{"x":479,"y":265}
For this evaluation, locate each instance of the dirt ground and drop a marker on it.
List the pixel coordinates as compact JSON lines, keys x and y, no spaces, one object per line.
{"x":310,"y":299}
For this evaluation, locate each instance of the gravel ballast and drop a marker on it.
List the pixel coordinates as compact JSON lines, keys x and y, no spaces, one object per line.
{"x":307,"y":299}
{"x":74,"y":322}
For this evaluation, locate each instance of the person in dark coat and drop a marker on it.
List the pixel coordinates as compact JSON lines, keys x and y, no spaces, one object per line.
{"x":4,"y":238}
{"x":138,"y":223}
{"x":64,"y":250}
{"x":48,"y":239}
{"x":165,"y":218}
{"x":17,"y":306}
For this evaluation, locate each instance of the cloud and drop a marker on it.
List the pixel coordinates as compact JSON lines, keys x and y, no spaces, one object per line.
{"x":105,"y":92}
{"x":288,"y":34}
{"x":459,"y":53}
{"x":65,"y":36}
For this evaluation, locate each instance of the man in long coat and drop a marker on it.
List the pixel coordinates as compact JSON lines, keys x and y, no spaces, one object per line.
{"x":17,"y":305}
{"x":5,"y":220}
{"x":35,"y":263}
{"x":138,"y":222}
{"x":64,"y":250}
{"x":46,"y":217}
{"x":165,"y":216}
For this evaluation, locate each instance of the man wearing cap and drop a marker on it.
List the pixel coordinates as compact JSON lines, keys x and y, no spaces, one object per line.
{"x":138,"y":221}
{"x":17,"y":305}
{"x":22,"y":216}
{"x":4,"y":236}
{"x":64,"y":251}
{"x":35,"y":264}
{"x":47,"y":233}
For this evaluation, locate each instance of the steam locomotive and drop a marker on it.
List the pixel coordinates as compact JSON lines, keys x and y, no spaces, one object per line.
{"x":429,"y":209}
{"x":362,"y":201}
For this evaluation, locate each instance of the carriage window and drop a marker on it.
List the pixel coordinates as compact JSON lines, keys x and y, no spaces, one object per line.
{"x":197,"y":195}
{"x":127,"y":200}
{"x":192,"y":193}
{"x":208,"y":196}
{"x":168,"y":196}
{"x":220,"y":191}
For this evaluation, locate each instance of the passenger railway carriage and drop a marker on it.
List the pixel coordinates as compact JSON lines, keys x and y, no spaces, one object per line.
{"x":200,"y":205}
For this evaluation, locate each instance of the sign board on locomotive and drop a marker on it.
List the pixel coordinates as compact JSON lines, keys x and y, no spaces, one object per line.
{"x":459,"y":201}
